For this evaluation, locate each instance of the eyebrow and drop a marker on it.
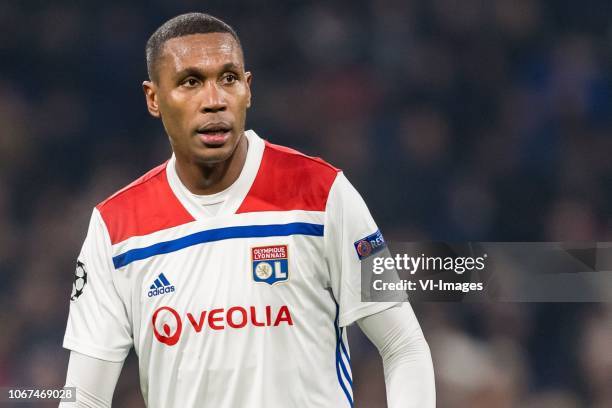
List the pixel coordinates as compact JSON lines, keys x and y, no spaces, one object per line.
{"x":230,"y":66}
{"x":193,"y":71}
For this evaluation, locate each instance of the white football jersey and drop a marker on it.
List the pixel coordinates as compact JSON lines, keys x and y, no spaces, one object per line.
{"x":246,"y":308}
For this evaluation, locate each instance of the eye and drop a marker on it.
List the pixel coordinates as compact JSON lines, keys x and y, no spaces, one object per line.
{"x":230,"y":79}
{"x":190,"y":82}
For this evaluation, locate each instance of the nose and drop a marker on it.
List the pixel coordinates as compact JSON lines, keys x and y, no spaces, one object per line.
{"x":213,"y":98}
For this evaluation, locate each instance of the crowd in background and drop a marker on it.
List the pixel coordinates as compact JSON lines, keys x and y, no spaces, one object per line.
{"x":456,"y":120}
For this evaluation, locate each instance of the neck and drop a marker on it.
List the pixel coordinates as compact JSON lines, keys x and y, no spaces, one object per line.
{"x":203,"y":179}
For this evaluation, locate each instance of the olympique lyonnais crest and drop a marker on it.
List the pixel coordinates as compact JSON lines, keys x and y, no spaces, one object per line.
{"x":270,"y":264}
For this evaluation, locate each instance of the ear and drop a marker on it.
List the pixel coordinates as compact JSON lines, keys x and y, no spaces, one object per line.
{"x":249,"y":80}
{"x":150,"y":91}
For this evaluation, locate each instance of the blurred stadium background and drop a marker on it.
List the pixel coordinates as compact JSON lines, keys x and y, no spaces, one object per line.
{"x":457,"y":120}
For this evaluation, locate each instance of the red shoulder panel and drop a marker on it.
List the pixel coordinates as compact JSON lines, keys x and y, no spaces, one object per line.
{"x":144,"y":206}
{"x":289,"y":180}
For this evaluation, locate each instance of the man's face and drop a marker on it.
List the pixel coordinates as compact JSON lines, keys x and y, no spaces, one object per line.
{"x":201,"y":94}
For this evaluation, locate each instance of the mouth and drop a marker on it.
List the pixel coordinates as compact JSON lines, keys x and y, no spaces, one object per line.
{"x":214,"y":134}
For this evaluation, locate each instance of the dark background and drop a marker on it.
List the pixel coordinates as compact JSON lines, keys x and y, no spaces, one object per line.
{"x":456,"y":120}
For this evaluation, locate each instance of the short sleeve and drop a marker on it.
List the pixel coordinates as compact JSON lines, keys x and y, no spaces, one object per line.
{"x":98,"y":325}
{"x":347,"y":224}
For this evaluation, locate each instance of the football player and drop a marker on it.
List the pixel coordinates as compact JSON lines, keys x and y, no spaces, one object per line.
{"x":233,"y":268}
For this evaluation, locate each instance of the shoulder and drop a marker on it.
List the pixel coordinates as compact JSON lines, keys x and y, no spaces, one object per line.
{"x":144,"y":206}
{"x":139,"y":187}
{"x":291,"y":158}
{"x":289,"y":180}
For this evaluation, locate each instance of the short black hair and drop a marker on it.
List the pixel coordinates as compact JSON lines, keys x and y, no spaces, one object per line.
{"x":179,"y":26}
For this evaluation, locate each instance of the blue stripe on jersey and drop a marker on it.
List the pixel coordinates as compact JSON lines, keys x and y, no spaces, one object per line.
{"x":346,"y":354}
{"x":339,"y":362}
{"x":342,"y":365}
{"x":218,"y":234}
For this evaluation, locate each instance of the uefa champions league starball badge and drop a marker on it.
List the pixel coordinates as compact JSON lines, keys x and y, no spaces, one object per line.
{"x":79,"y":281}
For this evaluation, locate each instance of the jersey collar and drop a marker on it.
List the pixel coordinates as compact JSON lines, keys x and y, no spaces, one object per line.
{"x":236,"y":192}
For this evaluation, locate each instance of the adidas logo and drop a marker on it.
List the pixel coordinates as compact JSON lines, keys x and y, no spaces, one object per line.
{"x":160,"y":286}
